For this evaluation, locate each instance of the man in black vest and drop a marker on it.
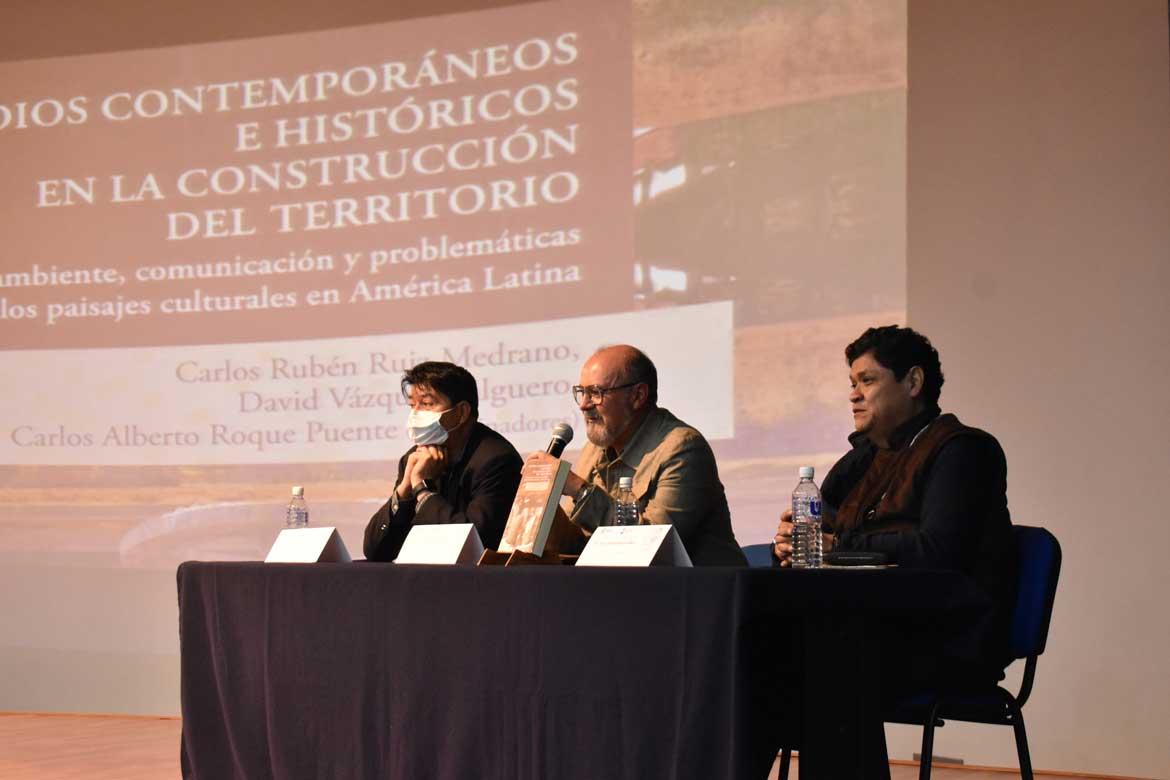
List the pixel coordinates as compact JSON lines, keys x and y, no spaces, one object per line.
{"x":924,"y":489}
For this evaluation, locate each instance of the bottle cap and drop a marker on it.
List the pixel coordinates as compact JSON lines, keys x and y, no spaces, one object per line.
{"x":298,"y":491}
{"x":806,"y":472}
{"x":625,"y":483}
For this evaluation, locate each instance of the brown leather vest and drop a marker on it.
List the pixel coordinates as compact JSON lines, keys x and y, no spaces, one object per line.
{"x":889,"y":496}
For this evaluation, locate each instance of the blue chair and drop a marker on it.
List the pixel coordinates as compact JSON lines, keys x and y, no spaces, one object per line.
{"x":1039,"y":569}
{"x":759,"y":556}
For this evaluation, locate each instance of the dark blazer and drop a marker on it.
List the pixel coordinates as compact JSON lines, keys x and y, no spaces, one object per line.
{"x":478,"y":489}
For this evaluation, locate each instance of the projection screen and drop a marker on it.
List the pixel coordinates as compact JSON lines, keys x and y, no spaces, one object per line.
{"x":219,"y":259}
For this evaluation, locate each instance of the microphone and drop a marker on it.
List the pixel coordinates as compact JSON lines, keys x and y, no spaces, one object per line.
{"x":561,"y":436}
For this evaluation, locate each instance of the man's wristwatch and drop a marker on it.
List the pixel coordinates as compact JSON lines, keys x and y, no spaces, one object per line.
{"x":581,"y":494}
{"x":424,"y":487}
{"x":396,"y":502}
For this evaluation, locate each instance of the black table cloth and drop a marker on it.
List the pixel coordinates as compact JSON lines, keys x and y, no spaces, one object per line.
{"x":382,"y":671}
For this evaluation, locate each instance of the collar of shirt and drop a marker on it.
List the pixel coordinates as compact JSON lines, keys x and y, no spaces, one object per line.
{"x":639,"y":444}
{"x":904,"y":435}
{"x":457,"y":457}
{"x":642,"y":442}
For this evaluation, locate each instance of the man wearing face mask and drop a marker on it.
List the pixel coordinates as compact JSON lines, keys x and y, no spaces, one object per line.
{"x":458,"y":471}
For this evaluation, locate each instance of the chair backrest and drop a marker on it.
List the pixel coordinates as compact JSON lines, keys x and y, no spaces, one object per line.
{"x":1038,"y":554}
{"x":758,"y":555}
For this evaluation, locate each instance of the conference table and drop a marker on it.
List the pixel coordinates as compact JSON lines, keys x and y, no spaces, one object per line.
{"x":373,"y":670}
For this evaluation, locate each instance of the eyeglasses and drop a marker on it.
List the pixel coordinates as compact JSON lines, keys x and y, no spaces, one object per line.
{"x":596,"y":394}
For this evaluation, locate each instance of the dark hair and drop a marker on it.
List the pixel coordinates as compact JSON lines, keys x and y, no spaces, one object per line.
{"x":640,"y":368}
{"x":900,"y":349}
{"x":451,"y":380}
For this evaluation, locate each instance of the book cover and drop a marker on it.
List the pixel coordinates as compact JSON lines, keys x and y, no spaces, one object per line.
{"x":535,"y":505}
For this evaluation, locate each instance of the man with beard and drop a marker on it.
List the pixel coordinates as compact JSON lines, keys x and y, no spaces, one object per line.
{"x":673,"y":468}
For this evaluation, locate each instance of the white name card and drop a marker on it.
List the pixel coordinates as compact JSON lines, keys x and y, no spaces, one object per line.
{"x":456,"y":544}
{"x":308,"y":545}
{"x":634,"y":545}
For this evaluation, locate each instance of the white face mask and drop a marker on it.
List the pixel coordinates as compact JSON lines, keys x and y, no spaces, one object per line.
{"x":424,"y":427}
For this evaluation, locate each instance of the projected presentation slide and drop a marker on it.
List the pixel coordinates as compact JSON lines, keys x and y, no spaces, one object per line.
{"x":219,"y":259}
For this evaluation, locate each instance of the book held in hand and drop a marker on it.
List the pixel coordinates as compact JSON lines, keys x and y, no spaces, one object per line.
{"x":535,"y":505}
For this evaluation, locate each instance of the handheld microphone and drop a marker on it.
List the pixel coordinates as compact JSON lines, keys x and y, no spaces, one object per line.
{"x":561,"y":436}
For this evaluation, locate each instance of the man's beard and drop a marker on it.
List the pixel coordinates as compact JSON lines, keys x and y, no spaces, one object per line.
{"x":599,"y":434}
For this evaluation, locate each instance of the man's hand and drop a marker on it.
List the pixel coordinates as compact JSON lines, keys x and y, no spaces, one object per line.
{"x":573,"y":483}
{"x":782,"y":541}
{"x":430,"y":462}
{"x":405,"y":489}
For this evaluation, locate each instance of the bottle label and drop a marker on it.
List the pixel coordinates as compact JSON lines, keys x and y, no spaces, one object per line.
{"x":814,"y":507}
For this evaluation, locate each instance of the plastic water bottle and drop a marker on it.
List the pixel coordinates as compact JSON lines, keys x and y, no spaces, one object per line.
{"x":625,"y":507}
{"x":298,"y":511}
{"x":806,"y":522}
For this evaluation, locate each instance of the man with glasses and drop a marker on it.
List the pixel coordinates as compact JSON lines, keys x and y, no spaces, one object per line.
{"x":673,"y":468}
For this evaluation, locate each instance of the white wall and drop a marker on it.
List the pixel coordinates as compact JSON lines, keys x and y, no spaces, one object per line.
{"x":1039,"y":263}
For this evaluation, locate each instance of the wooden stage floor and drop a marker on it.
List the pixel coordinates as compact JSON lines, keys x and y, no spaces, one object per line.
{"x":115,"y":747}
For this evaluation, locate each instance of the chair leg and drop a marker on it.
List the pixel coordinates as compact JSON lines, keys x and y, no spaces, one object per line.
{"x":1021,"y":742}
{"x":785,"y":760}
{"x":927,"y":757}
